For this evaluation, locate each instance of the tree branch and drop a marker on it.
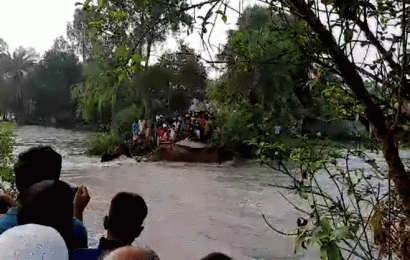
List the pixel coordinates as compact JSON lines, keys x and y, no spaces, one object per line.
{"x":374,"y":113}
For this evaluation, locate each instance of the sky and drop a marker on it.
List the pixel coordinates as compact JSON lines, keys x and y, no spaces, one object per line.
{"x":37,"y":23}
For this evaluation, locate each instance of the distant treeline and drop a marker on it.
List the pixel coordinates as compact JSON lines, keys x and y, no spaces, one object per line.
{"x":101,"y":74}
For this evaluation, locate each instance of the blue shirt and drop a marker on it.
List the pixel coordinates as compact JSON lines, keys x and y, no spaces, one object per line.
{"x":104,"y":246}
{"x":79,"y":232}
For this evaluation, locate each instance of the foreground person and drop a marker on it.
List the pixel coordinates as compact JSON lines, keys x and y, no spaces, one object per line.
{"x":32,"y":241}
{"x":132,"y":253}
{"x":33,"y":166}
{"x":216,"y":256}
{"x":123,"y":224}
{"x":49,"y":203}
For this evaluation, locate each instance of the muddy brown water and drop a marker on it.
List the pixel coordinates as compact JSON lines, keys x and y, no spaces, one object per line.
{"x":194,"y":209}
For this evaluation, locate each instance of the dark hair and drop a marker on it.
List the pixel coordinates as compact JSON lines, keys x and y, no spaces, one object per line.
{"x":37,"y":164}
{"x":49,"y":203}
{"x":216,"y":256}
{"x":127,"y":213}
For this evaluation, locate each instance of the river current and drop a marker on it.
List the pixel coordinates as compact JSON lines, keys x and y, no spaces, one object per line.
{"x":193,"y":209}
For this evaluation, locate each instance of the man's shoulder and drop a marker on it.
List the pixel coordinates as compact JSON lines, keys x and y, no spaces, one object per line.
{"x":8,"y":220}
{"x":77,"y":223}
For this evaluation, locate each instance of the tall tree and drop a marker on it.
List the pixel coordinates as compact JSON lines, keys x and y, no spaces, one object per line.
{"x":391,"y":55}
{"x":267,"y":70}
{"x":57,"y":72}
{"x":78,"y":35}
{"x":360,"y":43}
{"x":15,"y":69}
{"x":122,"y":34}
{"x":189,"y":75}
{"x":135,"y":25}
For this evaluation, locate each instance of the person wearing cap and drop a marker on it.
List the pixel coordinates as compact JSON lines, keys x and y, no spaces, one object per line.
{"x":33,"y":166}
{"x":123,"y":224}
{"x":32,"y":241}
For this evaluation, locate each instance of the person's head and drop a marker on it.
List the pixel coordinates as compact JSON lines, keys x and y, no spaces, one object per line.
{"x":32,"y":241}
{"x":49,"y":203}
{"x":127,"y":213}
{"x":132,"y":253}
{"x":37,"y":164}
{"x":216,"y":256}
{"x":6,"y":201}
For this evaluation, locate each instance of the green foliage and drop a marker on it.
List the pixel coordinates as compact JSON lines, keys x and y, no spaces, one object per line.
{"x":236,"y":126}
{"x":267,"y":69}
{"x":16,"y":72}
{"x":343,"y":103}
{"x":337,"y":194}
{"x":188,"y":72}
{"x":103,"y":143}
{"x":125,"y":118}
{"x":6,"y":150}
{"x":57,"y":73}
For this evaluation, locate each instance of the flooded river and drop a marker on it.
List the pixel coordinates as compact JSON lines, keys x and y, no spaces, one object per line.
{"x":193,"y":209}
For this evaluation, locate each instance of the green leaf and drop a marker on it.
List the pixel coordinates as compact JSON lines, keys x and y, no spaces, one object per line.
{"x":325,"y":225}
{"x":318,"y":237}
{"x":223,"y":15}
{"x":343,"y":232}
{"x":333,"y":251}
{"x":121,"y":78}
{"x":102,"y":3}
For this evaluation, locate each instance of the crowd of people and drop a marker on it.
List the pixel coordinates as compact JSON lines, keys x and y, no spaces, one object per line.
{"x":194,"y":126}
{"x":45,"y":220}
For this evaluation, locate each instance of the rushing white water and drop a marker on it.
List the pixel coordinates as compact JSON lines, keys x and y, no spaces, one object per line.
{"x":71,"y":144}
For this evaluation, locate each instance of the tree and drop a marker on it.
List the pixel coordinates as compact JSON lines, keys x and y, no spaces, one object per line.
{"x":357,"y":15}
{"x":77,"y":34}
{"x":266,"y":77}
{"x":122,"y":34}
{"x":359,"y":43}
{"x":343,"y":28}
{"x":15,"y":69}
{"x":57,"y":72}
{"x":135,"y":25}
{"x":189,"y":76}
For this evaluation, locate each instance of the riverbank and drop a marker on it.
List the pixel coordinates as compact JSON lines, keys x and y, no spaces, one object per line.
{"x":195,"y":209}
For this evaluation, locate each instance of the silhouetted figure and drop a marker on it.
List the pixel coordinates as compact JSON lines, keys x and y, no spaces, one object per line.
{"x":132,"y":253}
{"x":33,"y":166}
{"x":49,"y":203}
{"x":216,"y":256}
{"x":123,"y":224}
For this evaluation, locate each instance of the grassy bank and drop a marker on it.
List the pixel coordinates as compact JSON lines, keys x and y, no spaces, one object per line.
{"x":6,"y":150}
